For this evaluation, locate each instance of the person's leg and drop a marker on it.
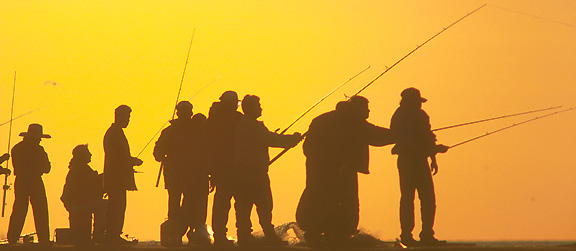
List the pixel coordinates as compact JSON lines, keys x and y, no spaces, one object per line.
{"x":408,"y":192}
{"x":39,"y":204}
{"x":427,"y":197}
{"x":99,"y":212}
{"x":220,"y":211}
{"x":81,"y":226}
{"x":115,"y":214}
{"x":243,"y":205}
{"x":19,"y":210}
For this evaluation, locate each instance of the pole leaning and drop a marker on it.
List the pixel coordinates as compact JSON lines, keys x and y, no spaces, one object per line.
{"x":6,"y":186}
{"x":177,"y":98}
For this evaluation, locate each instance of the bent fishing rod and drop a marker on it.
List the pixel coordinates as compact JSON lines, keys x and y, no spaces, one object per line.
{"x":177,"y":98}
{"x":6,"y":186}
{"x":495,"y":118}
{"x":392,"y":66}
{"x":510,"y":126}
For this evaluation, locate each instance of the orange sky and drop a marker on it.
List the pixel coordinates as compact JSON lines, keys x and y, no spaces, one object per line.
{"x":515,"y":185}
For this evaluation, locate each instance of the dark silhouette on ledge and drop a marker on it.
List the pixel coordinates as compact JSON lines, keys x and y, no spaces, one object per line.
{"x":336,"y":149}
{"x":415,"y":144}
{"x":82,"y":198}
{"x":181,"y":149}
{"x":252,"y":140}
{"x":30,"y":162}
{"x":118,"y":174}
{"x":220,"y":129}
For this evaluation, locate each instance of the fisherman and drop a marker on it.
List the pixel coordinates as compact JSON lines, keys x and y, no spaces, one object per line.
{"x":3,"y":170}
{"x":220,"y":128}
{"x":181,"y":150}
{"x":252,"y":140}
{"x":82,"y":198}
{"x":415,"y":143}
{"x":336,"y":149}
{"x":118,"y":174}
{"x":30,"y":162}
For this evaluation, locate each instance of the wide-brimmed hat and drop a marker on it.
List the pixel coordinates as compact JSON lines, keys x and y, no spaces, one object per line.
{"x":412,"y":94}
{"x":35,"y":131}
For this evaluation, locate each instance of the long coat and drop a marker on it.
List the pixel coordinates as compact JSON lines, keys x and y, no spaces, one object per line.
{"x":336,"y":149}
{"x":118,"y":169}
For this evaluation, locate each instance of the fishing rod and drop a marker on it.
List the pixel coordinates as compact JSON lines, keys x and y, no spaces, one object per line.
{"x":6,"y":186}
{"x":320,"y":101}
{"x":510,"y":126}
{"x":418,"y":47}
{"x":530,"y":15}
{"x":19,"y":117}
{"x":495,"y":118}
{"x":177,"y":98}
{"x":162,"y":127}
{"x":389,"y":68}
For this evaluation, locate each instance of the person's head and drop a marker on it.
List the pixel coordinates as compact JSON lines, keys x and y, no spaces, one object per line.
{"x":122,"y":115}
{"x":411,"y":98}
{"x":35,"y":134}
{"x":359,"y":107}
{"x":199,"y":118}
{"x":229,"y":101}
{"x":184,"y":110}
{"x":81,"y":153}
{"x":251,"y":106}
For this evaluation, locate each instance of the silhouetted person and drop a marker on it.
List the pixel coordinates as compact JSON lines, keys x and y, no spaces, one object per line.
{"x":82,"y":197}
{"x":336,"y":149}
{"x":252,"y":140}
{"x":3,"y":170}
{"x":415,"y":144}
{"x":118,"y":174}
{"x":181,"y":149}
{"x":30,"y":162}
{"x":220,"y":128}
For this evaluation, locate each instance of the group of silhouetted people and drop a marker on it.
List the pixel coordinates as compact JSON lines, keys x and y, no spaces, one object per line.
{"x":228,"y":152}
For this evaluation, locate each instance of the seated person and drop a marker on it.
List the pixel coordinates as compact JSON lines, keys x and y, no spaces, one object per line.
{"x":82,"y":197}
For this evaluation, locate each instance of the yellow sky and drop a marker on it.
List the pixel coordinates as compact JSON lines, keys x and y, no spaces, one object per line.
{"x":515,"y":185}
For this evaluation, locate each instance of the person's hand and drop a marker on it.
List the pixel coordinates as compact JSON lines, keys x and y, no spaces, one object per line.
{"x":442,"y":148}
{"x":298,"y":135}
{"x":5,"y":171}
{"x":160,"y":158}
{"x":434,"y":167}
{"x":136,"y":161}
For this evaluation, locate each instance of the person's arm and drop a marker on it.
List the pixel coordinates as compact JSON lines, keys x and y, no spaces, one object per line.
{"x":4,"y":157}
{"x":283,"y":141}
{"x":160,"y":147}
{"x":44,"y":162}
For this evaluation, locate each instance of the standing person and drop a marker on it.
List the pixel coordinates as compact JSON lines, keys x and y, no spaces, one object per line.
{"x":220,"y":128}
{"x":82,"y":198}
{"x":336,"y":149}
{"x":118,"y":174}
{"x":180,"y":148}
{"x":252,"y":140}
{"x":30,"y":162}
{"x":415,"y":143}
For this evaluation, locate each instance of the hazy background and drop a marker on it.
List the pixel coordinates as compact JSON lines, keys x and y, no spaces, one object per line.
{"x":78,"y":60}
